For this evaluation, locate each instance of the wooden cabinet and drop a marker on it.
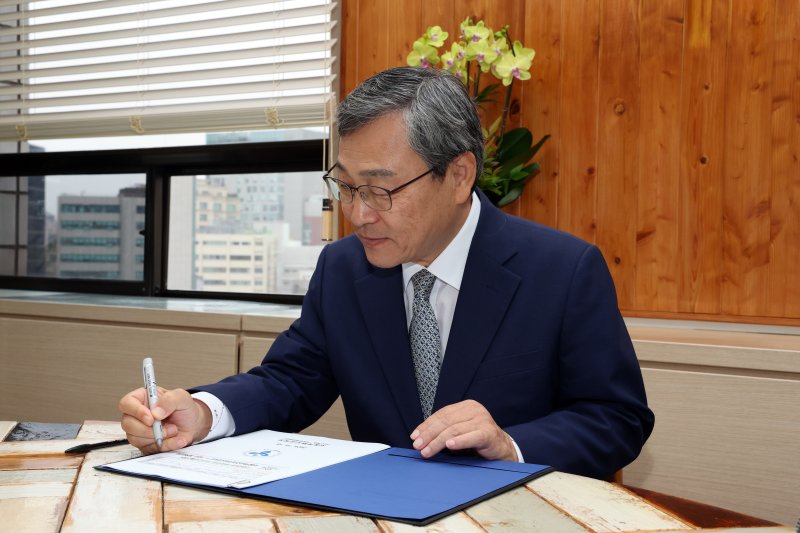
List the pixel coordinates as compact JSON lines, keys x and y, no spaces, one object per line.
{"x":727,"y":423}
{"x":66,"y":362}
{"x":59,"y":371}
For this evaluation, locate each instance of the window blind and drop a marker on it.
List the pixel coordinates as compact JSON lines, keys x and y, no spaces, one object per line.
{"x":118,"y":67}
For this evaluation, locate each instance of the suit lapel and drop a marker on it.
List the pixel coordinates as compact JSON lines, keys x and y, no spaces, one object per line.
{"x":380,"y":295}
{"x":487,"y":289}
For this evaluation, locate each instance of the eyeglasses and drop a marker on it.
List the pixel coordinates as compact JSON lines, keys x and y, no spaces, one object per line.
{"x":374,"y":197}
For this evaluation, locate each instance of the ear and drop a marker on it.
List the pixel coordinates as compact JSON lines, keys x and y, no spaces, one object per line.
{"x":463,"y":171}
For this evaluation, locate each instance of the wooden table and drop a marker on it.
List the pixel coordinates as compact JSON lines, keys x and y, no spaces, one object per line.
{"x":42,"y":489}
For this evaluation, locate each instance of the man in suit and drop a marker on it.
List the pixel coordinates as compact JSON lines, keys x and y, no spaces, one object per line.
{"x":443,"y":323}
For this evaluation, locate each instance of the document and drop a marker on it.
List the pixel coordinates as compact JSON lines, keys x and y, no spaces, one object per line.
{"x":365,"y":479}
{"x":247,"y":460}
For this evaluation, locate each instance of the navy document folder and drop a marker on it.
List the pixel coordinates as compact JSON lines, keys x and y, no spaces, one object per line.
{"x":395,"y":484}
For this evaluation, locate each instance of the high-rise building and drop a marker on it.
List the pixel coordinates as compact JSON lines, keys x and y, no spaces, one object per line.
{"x":261,"y":196}
{"x":99,"y":236}
{"x":268,"y":197}
{"x":217,"y":209}
{"x":234,"y":262}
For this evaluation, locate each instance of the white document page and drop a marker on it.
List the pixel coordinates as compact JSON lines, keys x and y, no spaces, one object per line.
{"x":248,"y":460}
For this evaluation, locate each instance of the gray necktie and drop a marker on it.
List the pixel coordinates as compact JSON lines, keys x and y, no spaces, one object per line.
{"x":425,"y":344}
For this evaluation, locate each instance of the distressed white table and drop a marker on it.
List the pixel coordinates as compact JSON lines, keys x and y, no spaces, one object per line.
{"x":42,"y":489}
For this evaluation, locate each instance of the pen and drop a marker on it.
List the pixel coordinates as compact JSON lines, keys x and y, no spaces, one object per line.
{"x":83,"y":448}
{"x":152,"y":395}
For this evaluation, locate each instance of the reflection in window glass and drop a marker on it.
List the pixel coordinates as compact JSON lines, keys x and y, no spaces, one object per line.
{"x":83,"y":227}
{"x":224,"y":236}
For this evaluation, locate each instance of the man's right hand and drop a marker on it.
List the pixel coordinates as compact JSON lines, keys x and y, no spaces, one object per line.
{"x":184,"y":420}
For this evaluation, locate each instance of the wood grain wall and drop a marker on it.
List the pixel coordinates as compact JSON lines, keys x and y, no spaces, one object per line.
{"x":675,"y":137}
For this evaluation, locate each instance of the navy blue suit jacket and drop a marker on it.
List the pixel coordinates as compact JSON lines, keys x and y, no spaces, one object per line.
{"x":537,"y":338}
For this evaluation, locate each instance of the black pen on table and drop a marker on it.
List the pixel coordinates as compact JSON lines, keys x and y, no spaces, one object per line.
{"x":89,"y":446}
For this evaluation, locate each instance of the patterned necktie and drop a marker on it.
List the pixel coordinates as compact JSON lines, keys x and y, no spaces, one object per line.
{"x":425,"y":344}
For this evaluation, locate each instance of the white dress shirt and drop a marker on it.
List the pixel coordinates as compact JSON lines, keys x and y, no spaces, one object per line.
{"x":448,"y":268}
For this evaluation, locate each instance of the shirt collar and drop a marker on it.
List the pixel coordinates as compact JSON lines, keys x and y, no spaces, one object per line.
{"x":449,"y":265}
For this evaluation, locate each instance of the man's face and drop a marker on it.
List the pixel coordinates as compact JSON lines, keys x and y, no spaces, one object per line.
{"x":425,"y":216}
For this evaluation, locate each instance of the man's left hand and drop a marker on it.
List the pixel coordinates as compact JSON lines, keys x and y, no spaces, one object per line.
{"x":462,"y":426}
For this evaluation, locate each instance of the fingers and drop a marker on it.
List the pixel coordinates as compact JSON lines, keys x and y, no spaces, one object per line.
{"x":462,"y":426}
{"x":141,"y":436}
{"x":134,"y":404}
{"x":173,"y":407}
{"x":446,"y":438}
{"x":165,"y":406}
{"x":488,"y":443}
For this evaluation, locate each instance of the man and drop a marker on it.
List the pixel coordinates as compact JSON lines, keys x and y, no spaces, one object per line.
{"x":442,"y":322}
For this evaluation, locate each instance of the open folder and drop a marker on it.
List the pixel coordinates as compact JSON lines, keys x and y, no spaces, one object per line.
{"x":395,"y":484}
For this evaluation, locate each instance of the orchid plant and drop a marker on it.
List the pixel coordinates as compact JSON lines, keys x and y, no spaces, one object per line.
{"x":479,"y":50}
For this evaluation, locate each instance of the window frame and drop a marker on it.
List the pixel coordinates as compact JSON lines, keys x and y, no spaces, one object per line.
{"x":159,"y":165}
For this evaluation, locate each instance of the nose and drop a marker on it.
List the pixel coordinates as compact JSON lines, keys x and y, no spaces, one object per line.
{"x":359,"y":213}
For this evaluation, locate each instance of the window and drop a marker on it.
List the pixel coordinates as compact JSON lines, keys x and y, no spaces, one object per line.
{"x":109,"y":110}
{"x":90,"y":207}
{"x":122,"y":211}
{"x":90,"y":241}
{"x":89,"y":258}
{"x":90,"y":225}
{"x":51,"y":223}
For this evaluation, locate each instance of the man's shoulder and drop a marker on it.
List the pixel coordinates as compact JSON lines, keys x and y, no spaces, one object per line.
{"x":346,"y":253}
{"x":534,"y":251}
{"x":539,"y":238}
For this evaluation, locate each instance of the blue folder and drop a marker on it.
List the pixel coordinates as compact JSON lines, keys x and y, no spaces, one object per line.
{"x":395,"y":484}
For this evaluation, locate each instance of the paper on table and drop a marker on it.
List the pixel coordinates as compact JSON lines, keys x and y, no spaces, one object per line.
{"x":247,"y":460}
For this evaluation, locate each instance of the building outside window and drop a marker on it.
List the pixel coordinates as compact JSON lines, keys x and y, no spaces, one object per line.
{"x":89,"y":225}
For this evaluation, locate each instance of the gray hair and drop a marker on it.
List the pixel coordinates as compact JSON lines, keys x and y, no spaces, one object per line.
{"x":441,"y":118}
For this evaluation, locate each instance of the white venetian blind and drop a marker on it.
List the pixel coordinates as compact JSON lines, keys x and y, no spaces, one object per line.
{"x":117,"y":67}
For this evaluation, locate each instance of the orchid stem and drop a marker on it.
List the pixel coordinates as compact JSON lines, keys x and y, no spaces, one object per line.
{"x":506,"y":106}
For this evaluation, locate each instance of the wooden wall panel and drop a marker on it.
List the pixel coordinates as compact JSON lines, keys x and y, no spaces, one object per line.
{"x":701,"y":156}
{"x":660,"y":85}
{"x":618,"y":147}
{"x":542,"y":100}
{"x":746,"y":197}
{"x":675,"y":137}
{"x":580,"y":36}
{"x":784,"y":272}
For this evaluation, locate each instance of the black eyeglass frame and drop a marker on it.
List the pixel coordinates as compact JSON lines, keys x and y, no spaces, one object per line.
{"x":341,"y":185}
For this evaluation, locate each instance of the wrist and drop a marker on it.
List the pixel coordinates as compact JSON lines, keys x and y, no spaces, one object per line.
{"x":512,"y":456}
{"x":205,"y":420}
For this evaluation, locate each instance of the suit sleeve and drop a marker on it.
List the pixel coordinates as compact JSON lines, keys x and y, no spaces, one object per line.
{"x":294,"y":384}
{"x":601,"y":420}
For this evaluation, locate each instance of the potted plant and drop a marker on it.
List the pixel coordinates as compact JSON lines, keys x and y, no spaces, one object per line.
{"x":507,"y":165}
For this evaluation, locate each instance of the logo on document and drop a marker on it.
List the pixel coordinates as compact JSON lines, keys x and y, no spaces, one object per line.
{"x":262,"y":453}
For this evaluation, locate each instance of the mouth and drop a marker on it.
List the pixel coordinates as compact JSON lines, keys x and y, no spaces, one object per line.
{"x":371,"y":242}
